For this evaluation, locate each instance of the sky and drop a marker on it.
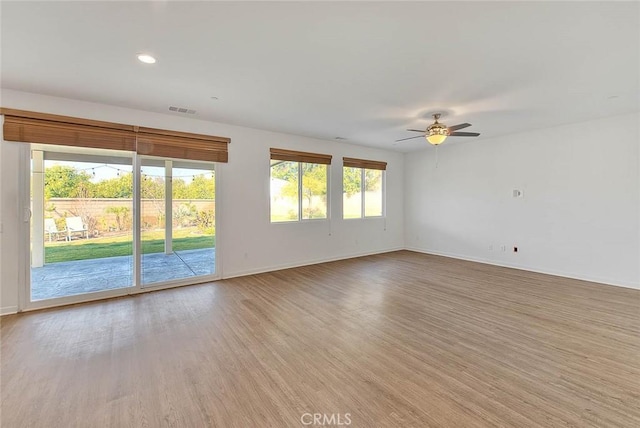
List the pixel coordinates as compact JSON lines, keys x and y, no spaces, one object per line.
{"x":101,"y":171}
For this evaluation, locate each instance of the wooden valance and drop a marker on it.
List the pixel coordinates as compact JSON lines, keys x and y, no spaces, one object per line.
{"x":43,"y":128}
{"x":182,"y":145}
{"x":363,"y":163}
{"x":31,"y":127}
{"x":294,"y":156}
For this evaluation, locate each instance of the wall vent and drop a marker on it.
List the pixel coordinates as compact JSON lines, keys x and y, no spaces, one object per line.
{"x":182,"y":110}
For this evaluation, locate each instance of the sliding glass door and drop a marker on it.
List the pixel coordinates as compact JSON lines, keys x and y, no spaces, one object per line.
{"x":177,"y":220}
{"x":81,"y":223}
{"x":99,"y":225}
{"x":194,"y":215}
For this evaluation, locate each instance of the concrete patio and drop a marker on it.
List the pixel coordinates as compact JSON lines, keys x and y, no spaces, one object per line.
{"x":86,"y":276}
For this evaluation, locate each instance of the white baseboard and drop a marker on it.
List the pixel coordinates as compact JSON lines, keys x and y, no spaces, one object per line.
{"x":605,"y":281}
{"x":7,"y":310}
{"x":307,"y":263}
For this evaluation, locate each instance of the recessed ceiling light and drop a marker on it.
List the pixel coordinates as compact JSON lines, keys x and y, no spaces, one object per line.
{"x":214,"y":98}
{"x":147,"y":59}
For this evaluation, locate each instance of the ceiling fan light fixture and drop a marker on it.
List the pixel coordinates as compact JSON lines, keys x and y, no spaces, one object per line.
{"x":436,"y":139}
{"x":436,"y":133}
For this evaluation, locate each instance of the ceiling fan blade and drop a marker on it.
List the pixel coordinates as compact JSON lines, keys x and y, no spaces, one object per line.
{"x":410,"y":138}
{"x":417,"y":130}
{"x":464,"y":134}
{"x":461,"y":126}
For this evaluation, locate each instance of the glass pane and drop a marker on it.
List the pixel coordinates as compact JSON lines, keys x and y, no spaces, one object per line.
{"x":193,"y":223}
{"x":373,"y":193}
{"x":284,"y":191}
{"x":81,"y":236}
{"x":314,"y":190}
{"x":155,"y":264}
{"x":351,"y":192}
{"x":180,"y":245}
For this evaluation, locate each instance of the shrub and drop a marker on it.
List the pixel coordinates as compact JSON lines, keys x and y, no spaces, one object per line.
{"x":185,"y":214}
{"x":123,"y":216}
{"x":205,"y":220}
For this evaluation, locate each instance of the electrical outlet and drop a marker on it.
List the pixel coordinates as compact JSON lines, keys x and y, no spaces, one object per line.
{"x":503,"y":248}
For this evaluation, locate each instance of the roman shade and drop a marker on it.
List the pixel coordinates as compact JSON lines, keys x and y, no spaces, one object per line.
{"x":32,"y":127}
{"x":363,"y":163}
{"x":181,"y":145}
{"x":43,"y":128}
{"x":294,"y":156}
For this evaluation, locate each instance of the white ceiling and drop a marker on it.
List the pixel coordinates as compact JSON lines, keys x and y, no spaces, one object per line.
{"x":362,"y":71}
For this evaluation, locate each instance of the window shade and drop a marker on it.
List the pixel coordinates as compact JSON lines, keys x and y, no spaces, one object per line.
{"x":182,"y":145}
{"x":31,"y":127}
{"x":43,"y":128}
{"x":291,"y":155}
{"x":363,"y":163}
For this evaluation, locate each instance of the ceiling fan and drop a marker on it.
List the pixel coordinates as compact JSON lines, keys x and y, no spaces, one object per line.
{"x":437,"y":132}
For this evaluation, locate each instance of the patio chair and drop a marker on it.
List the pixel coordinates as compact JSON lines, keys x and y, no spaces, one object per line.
{"x":75,"y":225}
{"x":51,"y":229}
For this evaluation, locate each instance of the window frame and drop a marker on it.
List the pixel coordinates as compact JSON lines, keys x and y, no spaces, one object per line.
{"x":383,"y":190}
{"x":300,"y":158}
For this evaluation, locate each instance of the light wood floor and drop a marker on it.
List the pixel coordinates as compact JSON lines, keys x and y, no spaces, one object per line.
{"x":400,"y":339}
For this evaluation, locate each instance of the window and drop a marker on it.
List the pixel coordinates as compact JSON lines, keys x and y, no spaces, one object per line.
{"x":362,"y":188}
{"x":298,"y":185}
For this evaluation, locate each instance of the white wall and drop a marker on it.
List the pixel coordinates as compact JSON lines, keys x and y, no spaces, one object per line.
{"x":248,"y":242}
{"x":9,"y":218}
{"x":579,"y":216}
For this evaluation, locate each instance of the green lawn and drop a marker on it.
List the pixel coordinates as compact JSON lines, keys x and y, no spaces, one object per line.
{"x":96,"y":248}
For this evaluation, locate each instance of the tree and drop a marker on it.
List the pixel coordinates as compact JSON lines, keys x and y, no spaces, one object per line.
{"x":61,"y":181}
{"x":372,"y":179}
{"x":351,"y":180}
{"x":152,"y":188}
{"x":284,"y":170}
{"x":179,"y":189}
{"x":314,"y":185}
{"x":314,"y":181}
{"x":119,"y":187}
{"x":201,"y":187}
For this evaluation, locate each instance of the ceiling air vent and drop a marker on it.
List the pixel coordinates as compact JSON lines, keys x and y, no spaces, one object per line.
{"x":182,"y":110}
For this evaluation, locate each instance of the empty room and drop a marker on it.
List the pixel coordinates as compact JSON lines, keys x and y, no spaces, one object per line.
{"x":305,"y":214}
